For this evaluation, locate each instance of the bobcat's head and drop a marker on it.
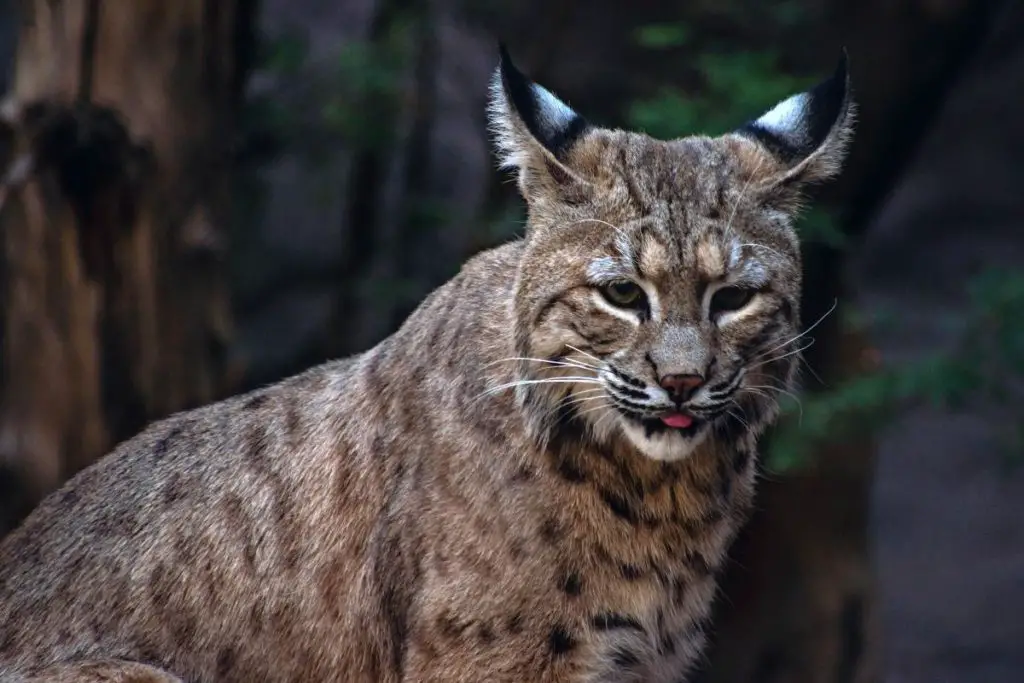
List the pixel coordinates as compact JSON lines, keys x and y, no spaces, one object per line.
{"x":658,"y":293}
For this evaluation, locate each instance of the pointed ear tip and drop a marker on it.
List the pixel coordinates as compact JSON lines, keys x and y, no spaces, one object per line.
{"x":506,"y":67}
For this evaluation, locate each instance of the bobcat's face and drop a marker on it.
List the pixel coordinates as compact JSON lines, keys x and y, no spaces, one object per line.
{"x":658,"y":293}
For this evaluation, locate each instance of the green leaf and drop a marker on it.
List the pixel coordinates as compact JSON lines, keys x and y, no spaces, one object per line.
{"x":662,"y":36}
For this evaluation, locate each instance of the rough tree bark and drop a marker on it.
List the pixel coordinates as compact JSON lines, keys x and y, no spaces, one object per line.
{"x":116,"y":148}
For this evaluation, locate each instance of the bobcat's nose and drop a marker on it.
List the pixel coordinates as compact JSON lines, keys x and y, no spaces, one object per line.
{"x":681,"y":387}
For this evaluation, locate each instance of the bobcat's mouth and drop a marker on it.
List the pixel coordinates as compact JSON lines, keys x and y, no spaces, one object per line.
{"x":680,"y":422}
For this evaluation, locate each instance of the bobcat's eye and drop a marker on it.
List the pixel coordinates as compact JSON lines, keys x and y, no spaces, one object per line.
{"x":624,"y":294}
{"x":729,"y":299}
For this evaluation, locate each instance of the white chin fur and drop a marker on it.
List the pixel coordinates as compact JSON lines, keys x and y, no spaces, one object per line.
{"x":667,"y":446}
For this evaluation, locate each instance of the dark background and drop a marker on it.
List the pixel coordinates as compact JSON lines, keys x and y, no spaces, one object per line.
{"x":345,"y":143}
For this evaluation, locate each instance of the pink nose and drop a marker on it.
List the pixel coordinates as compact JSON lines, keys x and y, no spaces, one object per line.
{"x":681,"y":387}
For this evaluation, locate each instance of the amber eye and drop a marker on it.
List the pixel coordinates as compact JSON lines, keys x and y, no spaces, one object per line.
{"x":624,"y":294}
{"x":729,"y":299}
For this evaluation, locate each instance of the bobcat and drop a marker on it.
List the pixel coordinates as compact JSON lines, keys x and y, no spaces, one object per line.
{"x":536,"y":478}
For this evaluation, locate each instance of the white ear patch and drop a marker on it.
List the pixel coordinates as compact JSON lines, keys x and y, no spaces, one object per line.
{"x":552,"y":113}
{"x":788,"y":118}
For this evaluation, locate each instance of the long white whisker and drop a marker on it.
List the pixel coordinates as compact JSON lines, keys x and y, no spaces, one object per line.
{"x":550,"y":380}
{"x":566,"y":362}
{"x":570,"y":346}
{"x":816,"y":323}
{"x":773,"y":359}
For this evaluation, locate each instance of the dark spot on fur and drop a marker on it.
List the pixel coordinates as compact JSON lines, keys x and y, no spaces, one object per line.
{"x":292,"y":419}
{"x":609,"y":621}
{"x":283,"y":618}
{"x":451,"y":627}
{"x":182,"y":624}
{"x":624,"y":658}
{"x":160,"y":585}
{"x":67,"y":498}
{"x":521,"y":475}
{"x":620,"y":507}
{"x":560,"y":641}
{"x":571,"y":584}
{"x":486,"y":634}
{"x":256,"y":402}
{"x":551,"y":530}
{"x":164,"y":444}
{"x":174,"y":490}
{"x":256,"y":444}
{"x":516,"y":549}
{"x":225,"y":661}
{"x":514,"y":623}
{"x":396,"y":596}
{"x":567,"y":468}
{"x":257,"y":617}
{"x":698,"y":564}
{"x":630,"y":572}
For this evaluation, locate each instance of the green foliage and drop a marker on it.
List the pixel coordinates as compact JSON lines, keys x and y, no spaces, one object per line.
{"x":367,"y":84}
{"x":348,"y":98}
{"x":662,"y":36}
{"x":984,"y":370}
{"x":732,"y":85}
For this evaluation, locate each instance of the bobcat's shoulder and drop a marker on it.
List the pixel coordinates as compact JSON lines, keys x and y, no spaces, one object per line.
{"x":535,"y":478}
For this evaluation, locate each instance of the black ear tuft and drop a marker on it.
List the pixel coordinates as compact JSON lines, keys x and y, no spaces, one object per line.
{"x":803,"y":124}
{"x":546,"y":118}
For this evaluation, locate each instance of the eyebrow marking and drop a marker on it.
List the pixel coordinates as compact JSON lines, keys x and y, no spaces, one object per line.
{"x":607,"y":268}
{"x":710,"y":259}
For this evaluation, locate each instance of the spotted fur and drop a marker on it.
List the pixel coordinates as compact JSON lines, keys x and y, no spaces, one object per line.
{"x":495,"y":492}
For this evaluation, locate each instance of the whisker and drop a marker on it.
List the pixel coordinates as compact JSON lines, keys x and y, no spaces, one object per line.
{"x":743,"y":422}
{"x":760,"y":391}
{"x":816,"y":323}
{"x":773,"y":359}
{"x":566,"y":362}
{"x":549,"y":380}
{"x":580,"y":351}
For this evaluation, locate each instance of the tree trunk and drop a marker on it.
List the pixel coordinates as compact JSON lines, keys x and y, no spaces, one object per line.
{"x":113,"y":205}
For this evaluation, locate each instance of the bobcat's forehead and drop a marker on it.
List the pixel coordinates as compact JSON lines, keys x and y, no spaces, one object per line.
{"x":666,"y":210}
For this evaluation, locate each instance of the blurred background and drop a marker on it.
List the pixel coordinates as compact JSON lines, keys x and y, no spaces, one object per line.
{"x":203,"y":196}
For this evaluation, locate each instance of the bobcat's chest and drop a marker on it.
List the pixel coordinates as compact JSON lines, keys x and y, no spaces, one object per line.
{"x":657,"y":637}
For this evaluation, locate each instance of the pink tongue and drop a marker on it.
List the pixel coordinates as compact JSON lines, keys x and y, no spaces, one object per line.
{"x":677,"y":420}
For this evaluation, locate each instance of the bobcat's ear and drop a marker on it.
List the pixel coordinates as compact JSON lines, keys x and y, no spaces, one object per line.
{"x":533,"y":130}
{"x":807,"y":134}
